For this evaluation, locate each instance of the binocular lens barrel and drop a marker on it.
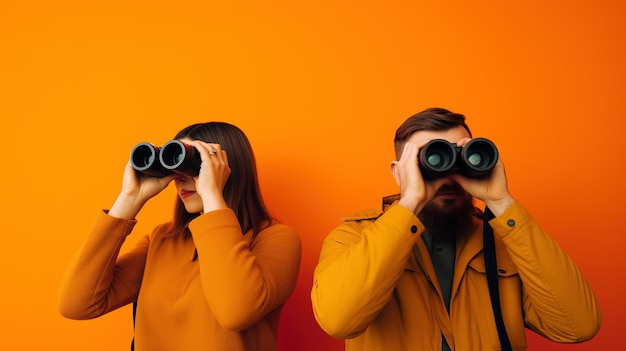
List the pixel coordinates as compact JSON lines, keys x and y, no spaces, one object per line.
{"x":440,"y":157}
{"x":437,"y":158}
{"x":180,"y":158}
{"x":173,"y":157}
{"x":144,"y":158}
{"x":479,"y":157}
{"x":143,"y":155}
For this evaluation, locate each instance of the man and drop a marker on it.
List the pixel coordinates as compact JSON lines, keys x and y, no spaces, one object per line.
{"x":413,"y":276}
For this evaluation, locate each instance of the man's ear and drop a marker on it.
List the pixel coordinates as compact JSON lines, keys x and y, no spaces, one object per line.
{"x":393,"y":166}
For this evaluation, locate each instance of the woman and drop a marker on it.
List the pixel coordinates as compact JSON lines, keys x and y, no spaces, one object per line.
{"x":215,"y":278}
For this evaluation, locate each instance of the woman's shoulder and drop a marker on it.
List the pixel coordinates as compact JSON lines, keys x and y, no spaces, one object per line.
{"x":162,"y":231}
{"x":277,"y":228}
{"x":278,"y":237}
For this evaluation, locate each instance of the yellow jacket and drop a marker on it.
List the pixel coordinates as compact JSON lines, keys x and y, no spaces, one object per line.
{"x":228,"y":297}
{"x":375,"y":286}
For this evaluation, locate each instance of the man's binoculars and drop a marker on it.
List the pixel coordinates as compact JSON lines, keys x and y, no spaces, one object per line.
{"x":440,"y":157}
{"x":173,"y":157}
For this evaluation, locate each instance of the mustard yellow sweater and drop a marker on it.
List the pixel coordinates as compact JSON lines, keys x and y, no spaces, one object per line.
{"x":228,"y":297}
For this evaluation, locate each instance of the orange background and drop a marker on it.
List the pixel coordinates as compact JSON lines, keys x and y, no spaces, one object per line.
{"x":319,"y":87}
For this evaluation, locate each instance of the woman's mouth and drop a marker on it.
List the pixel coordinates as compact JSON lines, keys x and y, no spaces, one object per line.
{"x":186,"y":193}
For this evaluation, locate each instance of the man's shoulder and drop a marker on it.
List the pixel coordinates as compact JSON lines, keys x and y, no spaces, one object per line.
{"x":362,"y":215}
{"x":373,"y":212}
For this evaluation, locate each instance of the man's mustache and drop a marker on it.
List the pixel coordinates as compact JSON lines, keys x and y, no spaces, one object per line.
{"x":453,"y":188}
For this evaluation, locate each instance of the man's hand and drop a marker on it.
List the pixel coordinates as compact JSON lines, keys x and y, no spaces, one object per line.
{"x":491,"y":189}
{"x":414,"y":191}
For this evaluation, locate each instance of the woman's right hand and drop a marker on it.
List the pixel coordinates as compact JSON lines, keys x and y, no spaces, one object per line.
{"x":136,"y":191}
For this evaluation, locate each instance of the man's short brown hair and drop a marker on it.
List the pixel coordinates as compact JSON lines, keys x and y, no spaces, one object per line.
{"x":433,"y":118}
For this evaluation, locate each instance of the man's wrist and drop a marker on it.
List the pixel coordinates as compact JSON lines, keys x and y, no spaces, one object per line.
{"x":499,"y":206}
{"x":410,"y":203}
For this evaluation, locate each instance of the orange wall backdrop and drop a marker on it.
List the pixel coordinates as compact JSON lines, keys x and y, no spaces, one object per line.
{"x":319,"y":87}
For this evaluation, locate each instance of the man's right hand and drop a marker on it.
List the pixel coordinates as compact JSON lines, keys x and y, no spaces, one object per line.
{"x":414,"y":191}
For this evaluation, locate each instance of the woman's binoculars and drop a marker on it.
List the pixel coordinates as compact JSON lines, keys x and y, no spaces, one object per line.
{"x":173,"y":157}
{"x":440,"y":157}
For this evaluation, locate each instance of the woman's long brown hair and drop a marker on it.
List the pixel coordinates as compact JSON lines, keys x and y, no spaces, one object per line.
{"x":241,"y":191}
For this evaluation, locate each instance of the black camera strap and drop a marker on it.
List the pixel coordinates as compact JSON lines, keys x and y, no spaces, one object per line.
{"x":489,"y":252}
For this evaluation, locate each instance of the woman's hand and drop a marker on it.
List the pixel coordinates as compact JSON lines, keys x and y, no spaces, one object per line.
{"x":136,"y":191}
{"x":214,"y":173}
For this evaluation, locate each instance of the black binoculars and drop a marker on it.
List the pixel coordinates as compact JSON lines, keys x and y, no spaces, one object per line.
{"x":440,"y":157}
{"x":173,"y":157}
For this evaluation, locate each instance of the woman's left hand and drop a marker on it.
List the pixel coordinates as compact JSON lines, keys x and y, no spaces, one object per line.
{"x":214,"y":172}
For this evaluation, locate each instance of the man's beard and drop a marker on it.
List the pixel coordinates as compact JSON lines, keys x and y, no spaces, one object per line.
{"x":453,"y":219}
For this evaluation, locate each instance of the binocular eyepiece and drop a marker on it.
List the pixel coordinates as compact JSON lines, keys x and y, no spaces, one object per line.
{"x":440,"y":157}
{"x":173,"y":157}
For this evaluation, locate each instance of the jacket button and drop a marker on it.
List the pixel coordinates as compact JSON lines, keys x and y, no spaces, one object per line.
{"x":510,"y":223}
{"x":413,"y":229}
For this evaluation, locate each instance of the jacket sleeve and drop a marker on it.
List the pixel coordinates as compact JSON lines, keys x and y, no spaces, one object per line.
{"x":558,"y":301}
{"x":358,"y":268}
{"x":243,"y":282}
{"x":97,"y":281}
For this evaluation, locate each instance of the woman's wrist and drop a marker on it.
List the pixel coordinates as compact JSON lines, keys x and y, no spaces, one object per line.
{"x":126,"y":207}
